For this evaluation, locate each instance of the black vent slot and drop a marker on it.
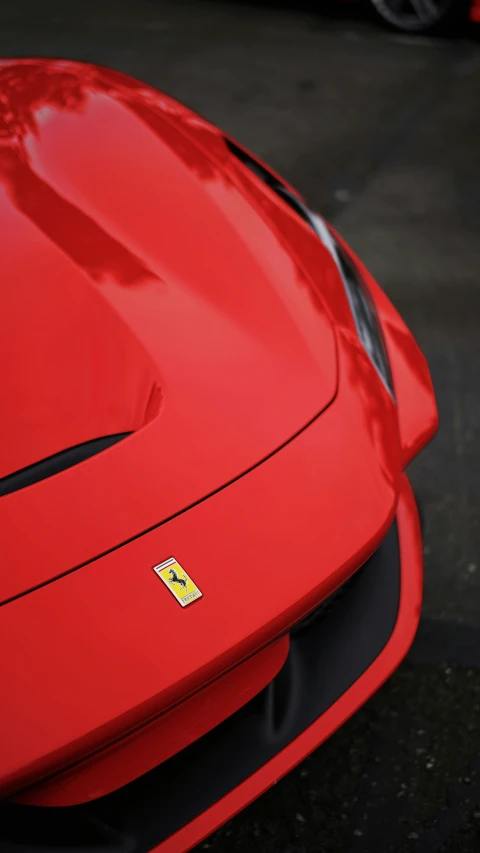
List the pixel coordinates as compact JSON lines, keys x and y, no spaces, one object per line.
{"x":57,"y":463}
{"x":271,"y":181}
{"x":69,"y":832}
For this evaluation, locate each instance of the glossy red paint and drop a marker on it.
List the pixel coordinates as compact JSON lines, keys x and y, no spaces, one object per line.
{"x":134,"y":318}
{"x":263,"y":436}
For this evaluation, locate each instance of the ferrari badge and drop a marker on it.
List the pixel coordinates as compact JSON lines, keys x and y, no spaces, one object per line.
{"x":177,"y":581}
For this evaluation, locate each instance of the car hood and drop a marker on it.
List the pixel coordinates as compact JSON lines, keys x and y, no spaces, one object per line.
{"x":143,"y":296}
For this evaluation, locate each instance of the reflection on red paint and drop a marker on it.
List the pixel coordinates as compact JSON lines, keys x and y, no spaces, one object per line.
{"x":136,"y":267}
{"x":26,"y":90}
{"x":168,"y":295}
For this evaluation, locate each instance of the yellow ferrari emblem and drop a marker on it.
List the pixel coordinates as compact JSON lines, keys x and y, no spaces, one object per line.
{"x":177,"y":581}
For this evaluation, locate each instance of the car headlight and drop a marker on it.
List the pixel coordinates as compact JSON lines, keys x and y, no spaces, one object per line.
{"x":361,"y":303}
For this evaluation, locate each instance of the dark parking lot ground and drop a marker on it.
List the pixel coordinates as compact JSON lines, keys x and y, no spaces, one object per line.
{"x":382,"y":133}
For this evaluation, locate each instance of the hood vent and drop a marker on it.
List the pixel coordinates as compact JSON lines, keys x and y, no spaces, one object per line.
{"x":57,"y":463}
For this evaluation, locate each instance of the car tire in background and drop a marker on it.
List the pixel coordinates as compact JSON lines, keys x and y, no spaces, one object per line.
{"x":419,"y":16}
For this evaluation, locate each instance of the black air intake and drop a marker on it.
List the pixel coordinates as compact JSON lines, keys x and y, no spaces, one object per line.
{"x":57,"y":463}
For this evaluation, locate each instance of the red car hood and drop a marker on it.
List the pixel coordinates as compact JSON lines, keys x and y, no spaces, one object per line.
{"x":142,"y":293}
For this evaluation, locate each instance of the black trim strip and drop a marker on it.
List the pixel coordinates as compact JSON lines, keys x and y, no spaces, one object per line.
{"x":57,"y":463}
{"x":271,"y":181}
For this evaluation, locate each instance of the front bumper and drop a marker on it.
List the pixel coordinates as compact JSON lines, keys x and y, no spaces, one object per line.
{"x":409,"y":566}
{"x":339,"y":655}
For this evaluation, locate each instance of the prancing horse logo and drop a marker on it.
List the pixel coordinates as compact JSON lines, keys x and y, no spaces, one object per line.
{"x":175,"y":579}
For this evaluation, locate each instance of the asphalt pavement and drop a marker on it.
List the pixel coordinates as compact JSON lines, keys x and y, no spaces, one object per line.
{"x":381,"y":132}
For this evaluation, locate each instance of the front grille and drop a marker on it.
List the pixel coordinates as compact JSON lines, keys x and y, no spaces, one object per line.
{"x":329,"y":651}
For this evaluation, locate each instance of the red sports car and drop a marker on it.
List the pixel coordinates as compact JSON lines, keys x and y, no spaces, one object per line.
{"x":211,"y":554}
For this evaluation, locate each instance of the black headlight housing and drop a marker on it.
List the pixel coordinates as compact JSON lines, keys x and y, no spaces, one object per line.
{"x":367,"y":323}
{"x":361,"y":303}
{"x":365,"y":315}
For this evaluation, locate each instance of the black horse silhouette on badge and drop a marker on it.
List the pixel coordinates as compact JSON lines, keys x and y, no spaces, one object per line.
{"x":175,"y":579}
